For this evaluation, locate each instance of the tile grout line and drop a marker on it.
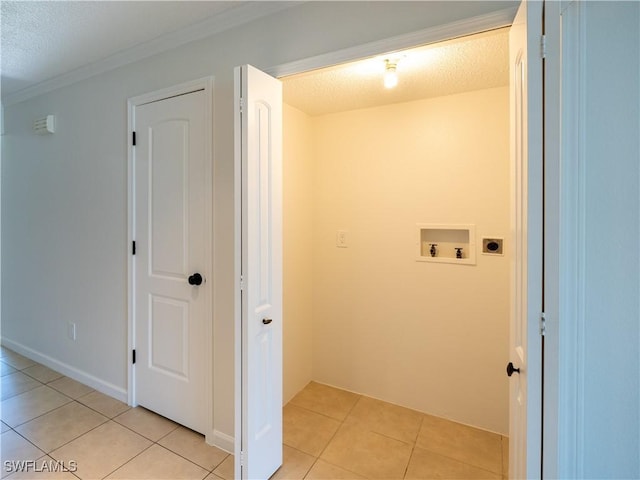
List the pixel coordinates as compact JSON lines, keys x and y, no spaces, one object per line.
{"x":42,"y":414}
{"x":413,"y":448}
{"x":188,"y":459}
{"x":342,"y":423}
{"x":318,"y":413}
{"x":130,"y":460}
{"x":72,"y":400}
{"x":81,"y":435}
{"x":107,"y":420}
{"x":477,"y":467}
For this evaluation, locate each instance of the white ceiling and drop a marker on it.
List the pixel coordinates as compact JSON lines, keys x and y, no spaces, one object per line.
{"x":469,"y":63}
{"x":43,"y":40}
{"x":44,"y":43}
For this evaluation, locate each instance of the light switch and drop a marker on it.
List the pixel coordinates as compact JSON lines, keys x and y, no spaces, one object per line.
{"x":341,"y":239}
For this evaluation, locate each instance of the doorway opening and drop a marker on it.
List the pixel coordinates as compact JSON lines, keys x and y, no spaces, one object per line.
{"x":364,"y":168}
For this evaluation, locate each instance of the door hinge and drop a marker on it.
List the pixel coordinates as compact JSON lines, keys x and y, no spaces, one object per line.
{"x":241,"y":105}
{"x":543,"y":46}
{"x":133,"y":247}
{"x":133,"y":139}
{"x":241,"y":282}
{"x":133,"y":356}
{"x":543,"y":324}
{"x":241,"y":458}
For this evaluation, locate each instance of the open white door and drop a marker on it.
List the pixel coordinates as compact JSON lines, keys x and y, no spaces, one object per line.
{"x":258,"y":164}
{"x":525,"y":417}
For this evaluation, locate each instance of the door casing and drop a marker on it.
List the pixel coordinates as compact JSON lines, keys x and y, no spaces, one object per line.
{"x":205,"y":84}
{"x":502,"y":18}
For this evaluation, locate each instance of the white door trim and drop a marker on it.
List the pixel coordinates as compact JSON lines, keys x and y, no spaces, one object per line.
{"x":571,"y":241}
{"x":564,"y":243}
{"x":438,"y":33}
{"x":205,"y":84}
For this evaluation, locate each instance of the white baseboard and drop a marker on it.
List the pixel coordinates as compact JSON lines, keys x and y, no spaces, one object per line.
{"x":221,"y":440}
{"x":72,"y":372}
{"x":214,"y":437}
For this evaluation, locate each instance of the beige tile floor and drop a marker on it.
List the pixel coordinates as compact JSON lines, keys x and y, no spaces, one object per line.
{"x":328,"y":434}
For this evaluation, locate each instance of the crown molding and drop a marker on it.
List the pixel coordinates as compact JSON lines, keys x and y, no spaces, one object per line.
{"x":439,"y":33}
{"x":227,"y":20}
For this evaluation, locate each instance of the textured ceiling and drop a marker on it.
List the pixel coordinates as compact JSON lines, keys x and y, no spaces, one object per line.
{"x":455,"y":66}
{"x":43,"y":39}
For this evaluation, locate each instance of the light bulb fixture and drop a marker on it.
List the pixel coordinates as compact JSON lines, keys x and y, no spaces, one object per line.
{"x":390,"y":74}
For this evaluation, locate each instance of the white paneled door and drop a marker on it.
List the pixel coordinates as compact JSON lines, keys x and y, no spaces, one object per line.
{"x":259,"y":271}
{"x":172,"y":288}
{"x":525,"y":365}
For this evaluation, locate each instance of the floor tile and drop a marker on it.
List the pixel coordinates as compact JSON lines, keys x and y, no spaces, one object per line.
{"x":4,"y":427}
{"x":387,"y":419}
{"x":46,"y":468}
{"x":466,"y":444}
{"x":307,"y":431}
{"x":16,"y":360}
{"x":16,"y":448}
{"x":295,"y":464}
{"x":226,"y":469}
{"x":102,"y":450}
{"x":505,"y":456}
{"x":159,"y":463}
{"x":6,"y":369}
{"x":322,"y":470}
{"x":29,"y":405}
{"x":368,"y":453}
{"x":428,"y":465}
{"x":104,"y":404}
{"x":60,"y":426}
{"x":191,"y":445}
{"x":213,"y":476}
{"x":42,"y":373}
{"x":70,"y":387}
{"x":326,"y":400}
{"x":146,"y":422}
{"x":17,"y":383}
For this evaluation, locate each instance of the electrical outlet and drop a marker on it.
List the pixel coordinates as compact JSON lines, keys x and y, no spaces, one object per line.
{"x":71,"y":330}
{"x":492,"y":246}
{"x":341,"y":239}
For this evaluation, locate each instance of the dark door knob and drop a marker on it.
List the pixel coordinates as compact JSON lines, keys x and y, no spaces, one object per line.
{"x":511,"y":369}
{"x":195,"y":279}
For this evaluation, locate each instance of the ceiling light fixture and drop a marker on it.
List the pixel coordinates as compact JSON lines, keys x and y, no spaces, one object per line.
{"x":390,"y":73}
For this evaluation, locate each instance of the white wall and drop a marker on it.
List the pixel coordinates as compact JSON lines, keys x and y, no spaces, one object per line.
{"x":611,"y":275}
{"x":64,"y":202}
{"x":433,"y":337}
{"x":297,"y":259}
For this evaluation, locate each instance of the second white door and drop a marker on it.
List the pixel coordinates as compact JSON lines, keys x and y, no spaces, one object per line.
{"x":171,"y":260}
{"x":259,"y":258}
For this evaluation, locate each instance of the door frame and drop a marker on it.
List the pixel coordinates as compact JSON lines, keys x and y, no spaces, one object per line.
{"x":494,"y":20}
{"x":439,"y":33}
{"x":205,"y":84}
